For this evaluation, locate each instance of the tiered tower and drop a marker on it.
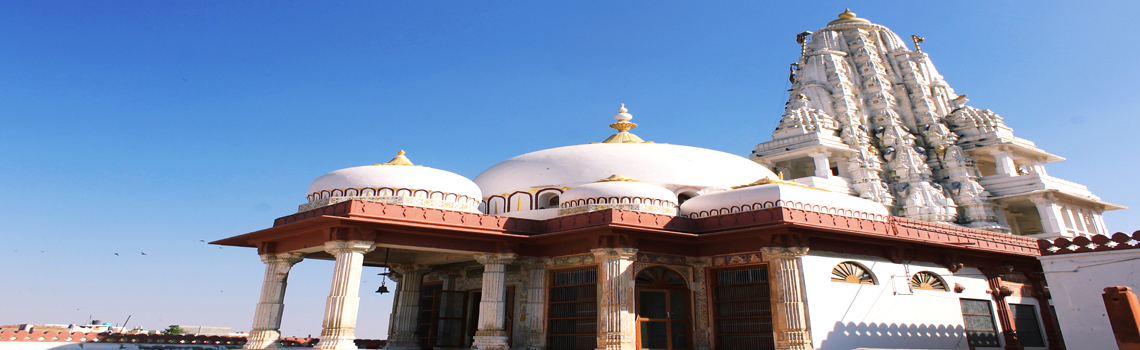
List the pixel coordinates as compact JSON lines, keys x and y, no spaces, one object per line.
{"x":897,"y":134}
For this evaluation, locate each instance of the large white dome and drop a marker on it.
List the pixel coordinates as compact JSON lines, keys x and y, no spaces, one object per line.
{"x":673,"y":167}
{"x":396,"y":182}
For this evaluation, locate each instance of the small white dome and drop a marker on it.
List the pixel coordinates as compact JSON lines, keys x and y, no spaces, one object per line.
{"x":769,"y":193}
{"x":396,"y":182}
{"x":618,"y":192}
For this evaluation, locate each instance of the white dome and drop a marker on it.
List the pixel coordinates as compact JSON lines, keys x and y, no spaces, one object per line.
{"x":618,"y":192}
{"x":772,"y":193}
{"x":670,"y":166}
{"x":396,"y":182}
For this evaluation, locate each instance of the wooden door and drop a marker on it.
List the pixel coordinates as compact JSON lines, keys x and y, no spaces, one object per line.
{"x":663,"y":320}
{"x":447,"y":328}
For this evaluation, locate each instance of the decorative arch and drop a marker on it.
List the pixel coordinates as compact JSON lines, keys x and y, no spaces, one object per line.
{"x":852,"y":272}
{"x":658,"y":276}
{"x":929,"y":281}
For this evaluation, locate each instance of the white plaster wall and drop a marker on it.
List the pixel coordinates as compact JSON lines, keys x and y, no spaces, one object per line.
{"x":1077,"y":282}
{"x":848,"y":316}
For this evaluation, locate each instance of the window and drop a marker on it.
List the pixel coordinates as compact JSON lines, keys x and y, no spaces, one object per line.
{"x":851,"y":272}
{"x":928,"y":281}
{"x":1025,"y":322}
{"x":979,"y":318}
{"x":684,"y":196}
{"x":742,"y":309}
{"x":573,"y":309}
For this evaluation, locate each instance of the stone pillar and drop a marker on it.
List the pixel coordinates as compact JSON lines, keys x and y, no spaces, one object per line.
{"x":1038,"y":168}
{"x":1003,"y":162}
{"x":703,"y":335}
{"x":492,"y":333}
{"x":841,"y":164}
{"x":1004,"y":316}
{"x":403,"y":334}
{"x":822,"y":165}
{"x":789,"y":302}
{"x":1052,"y":333}
{"x":617,"y":324}
{"x":267,"y":319}
{"x":1051,"y":215}
{"x":533,"y":318}
{"x":339,"y":328}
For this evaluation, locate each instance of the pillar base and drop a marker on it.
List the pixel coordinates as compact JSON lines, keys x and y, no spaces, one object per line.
{"x":263,"y":339}
{"x":490,"y":342}
{"x":338,"y":339}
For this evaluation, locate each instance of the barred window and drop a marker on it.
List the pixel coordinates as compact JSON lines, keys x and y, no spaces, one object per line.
{"x":573,"y":309}
{"x":979,"y":319}
{"x":742,"y":309}
{"x":1025,"y":321}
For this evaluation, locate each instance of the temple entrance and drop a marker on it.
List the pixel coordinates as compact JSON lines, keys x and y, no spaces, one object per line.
{"x":663,"y":314}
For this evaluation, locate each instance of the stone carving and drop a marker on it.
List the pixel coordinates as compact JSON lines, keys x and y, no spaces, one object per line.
{"x":267,"y":319}
{"x":343,"y":303}
{"x":789,"y":302}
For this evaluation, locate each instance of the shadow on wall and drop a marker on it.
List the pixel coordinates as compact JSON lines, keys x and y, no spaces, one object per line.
{"x":853,"y":335}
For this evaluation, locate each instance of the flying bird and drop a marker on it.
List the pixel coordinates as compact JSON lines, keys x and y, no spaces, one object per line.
{"x":201,"y":240}
{"x":116,"y":254}
{"x":142,"y":253}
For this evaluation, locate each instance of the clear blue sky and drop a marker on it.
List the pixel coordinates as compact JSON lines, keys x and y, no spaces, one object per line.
{"x":148,"y":126}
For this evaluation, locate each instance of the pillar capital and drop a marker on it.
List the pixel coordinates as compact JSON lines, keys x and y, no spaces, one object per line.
{"x":495,"y":258}
{"x":290,"y":258}
{"x":334,"y":247}
{"x":615,"y":253}
{"x":774,"y":253}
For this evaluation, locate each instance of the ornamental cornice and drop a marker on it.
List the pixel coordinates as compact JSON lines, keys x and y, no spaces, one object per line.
{"x":290,"y":258}
{"x":827,"y":52}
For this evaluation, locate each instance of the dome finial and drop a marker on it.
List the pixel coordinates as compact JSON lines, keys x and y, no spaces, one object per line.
{"x":623,"y":125}
{"x":848,"y":17}
{"x":399,"y":160}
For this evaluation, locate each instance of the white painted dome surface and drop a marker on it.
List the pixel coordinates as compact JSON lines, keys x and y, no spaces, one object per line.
{"x":670,"y":166}
{"x":626,"y":195}
{"x":396,"y":184}
{"x":763,"y":196}
{"x":618,"y":190}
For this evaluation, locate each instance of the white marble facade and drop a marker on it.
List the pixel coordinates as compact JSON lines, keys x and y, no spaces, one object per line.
{"x":870,"y":116}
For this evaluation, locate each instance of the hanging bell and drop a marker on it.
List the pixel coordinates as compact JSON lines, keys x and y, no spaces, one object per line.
{"x":383,"y":289}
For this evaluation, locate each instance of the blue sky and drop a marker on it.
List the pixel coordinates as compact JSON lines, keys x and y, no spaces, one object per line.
{"x":131,"y":127}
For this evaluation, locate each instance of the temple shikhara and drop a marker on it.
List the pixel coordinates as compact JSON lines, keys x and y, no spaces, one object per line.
{"x":886,"y":212}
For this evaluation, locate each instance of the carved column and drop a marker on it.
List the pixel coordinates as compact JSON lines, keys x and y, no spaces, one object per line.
{"x":822,"y":165}
{"x":532,"y":320}
{"x":403,"y":334}
{"x":1051,"y":215}
{"x":267,"y":319}
{"x":492,"y":333}
{"x":1003,"y":162}
{"x":789,"y":302}
{"x":1041,"y":293}
{"x":1004,"y":316}
{"x":339,"y":330}
{"x":617,"y":324}
{"x":703,"y":335}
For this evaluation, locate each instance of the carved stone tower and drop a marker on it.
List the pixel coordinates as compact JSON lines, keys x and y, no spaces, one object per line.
{"x":897,"y":134}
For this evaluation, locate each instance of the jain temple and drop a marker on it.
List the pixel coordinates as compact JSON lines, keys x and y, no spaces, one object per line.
{"x":886,"y":212}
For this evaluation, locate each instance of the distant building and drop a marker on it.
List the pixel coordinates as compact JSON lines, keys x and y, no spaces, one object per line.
{"x":201,"y":330}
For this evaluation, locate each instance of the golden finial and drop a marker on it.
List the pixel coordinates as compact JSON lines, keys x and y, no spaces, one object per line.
{"x":617,"y":177}
{"x":848,"y":17}
{"x":917,"y":40}
{"x":623,"y":125}
{"x":767,"y":180}
{"x":399,"y":160}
